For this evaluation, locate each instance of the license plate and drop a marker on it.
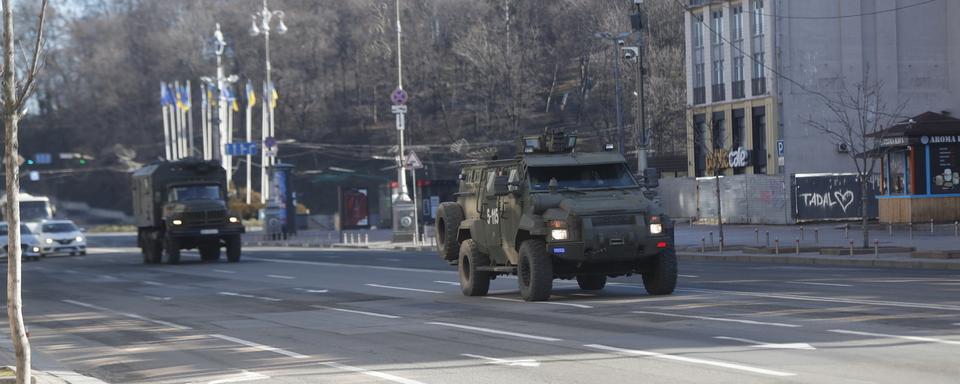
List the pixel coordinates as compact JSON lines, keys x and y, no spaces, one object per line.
{"x":209,"y":231}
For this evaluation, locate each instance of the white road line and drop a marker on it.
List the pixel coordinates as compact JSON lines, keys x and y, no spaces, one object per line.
{"x":881,"y":303}
{"x":70,"y":271}
{"x":751,"y":322}
{"x":539,"y":302}
{"x":224,"y":271}
{"x":913,"y":338}
{"x":379,"y":375}
{"x":312,"y":290}
{"x":530,"y":363}
{"x":260,"y":346}
{"x":107,"y":277}
{"x":494,"y":331}
{"x":693,"y":276}
{"x":128,"y":315}
{"x":158,"y":298}
{"x":447,"y":282}
{"x":244,"y":376}
{"x":328,"y":264}
{"x":763,"y":345}
{"x":281,"y":277}
{"x":362,"y":312}
{"x":402,"y":288}
{"x":249,"y":296}
{"x":154,"y":283}
{"x":824,"y":284}
{"x":391,"y":259}
{"x":692,"y":360}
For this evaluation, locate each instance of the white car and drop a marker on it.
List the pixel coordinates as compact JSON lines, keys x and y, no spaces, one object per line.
{"x":60,"y":237}
{"x":29,"y":242}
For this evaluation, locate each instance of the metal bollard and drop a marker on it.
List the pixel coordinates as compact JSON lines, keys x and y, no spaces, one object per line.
{"x":851,"y":247}
{"x":890,"y":229}
{"x":366,"y":238}
{"x":956,"y":228}
{"x":801,"y":232}
{"x":776,"y":247}
{"x":816,"y":236}
{"x":711,"y":237}
{"x":703,"y":245}
{"x":798,"y":247}
{"x":756,"y":232}
{"x":931,"y":225}
{"x":768,"y":238}
{"x":876,"y":248}
{"x":343,"y":238}
{"x":846,"y":231}
{"x":910,"y":229}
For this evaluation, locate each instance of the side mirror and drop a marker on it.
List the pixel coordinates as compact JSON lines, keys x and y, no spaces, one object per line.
{"x":651,"y":178}
{"x":501,"y":185}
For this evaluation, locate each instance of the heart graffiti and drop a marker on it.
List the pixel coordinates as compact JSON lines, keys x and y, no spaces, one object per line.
{"x":844,"y":199}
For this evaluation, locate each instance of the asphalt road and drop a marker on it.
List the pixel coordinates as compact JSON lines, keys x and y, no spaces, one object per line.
{"x":351,"y":316}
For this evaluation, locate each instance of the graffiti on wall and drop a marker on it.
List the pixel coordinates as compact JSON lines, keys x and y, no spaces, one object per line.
{"x":830,"y":197}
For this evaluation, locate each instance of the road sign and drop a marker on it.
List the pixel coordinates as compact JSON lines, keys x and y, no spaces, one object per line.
{"x":398,"y":109}
{"x":270,"y":142}
{"x":43,"y":158}
{"x":413,"y":161}
{"x":34,"y":176}
{"x":399,"y":96}
{"x":241,"y":149}
{"x":401,"y":122}
{"x":779,"y":148}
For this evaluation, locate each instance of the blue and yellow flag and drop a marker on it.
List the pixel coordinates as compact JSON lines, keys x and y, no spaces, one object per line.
{"x":177,"y":90}
{"x":251,"y":96}
{"x":273,"y":96}
{"x":186,"y":99}
{"x":164,"y":95}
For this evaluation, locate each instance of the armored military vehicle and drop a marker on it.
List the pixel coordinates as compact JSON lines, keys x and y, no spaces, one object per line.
{"x":183,"y":205}
{"x":555,"y":213}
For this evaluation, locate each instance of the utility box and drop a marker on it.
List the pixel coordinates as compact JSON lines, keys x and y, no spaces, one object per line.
{"x":403,"y":221}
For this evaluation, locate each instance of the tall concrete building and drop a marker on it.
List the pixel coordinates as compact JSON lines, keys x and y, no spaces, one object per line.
{"x":747,"y":59}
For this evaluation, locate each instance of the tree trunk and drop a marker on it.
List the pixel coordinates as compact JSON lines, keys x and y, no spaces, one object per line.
{"x":863,"y":211}
{"x":11,"y":116}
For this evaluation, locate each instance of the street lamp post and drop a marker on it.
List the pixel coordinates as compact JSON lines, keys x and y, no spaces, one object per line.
{"x":221,"y":82}
{"x":261,"y":26}
{"x":617,"y":42}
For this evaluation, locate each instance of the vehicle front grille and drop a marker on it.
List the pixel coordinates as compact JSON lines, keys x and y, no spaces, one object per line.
{"x":204,"y":217}
{"x":603,"y":221}
{"x":65,"y":241}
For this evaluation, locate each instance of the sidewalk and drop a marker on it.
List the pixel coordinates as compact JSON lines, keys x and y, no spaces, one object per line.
{"x":883,"y":260}
{"x":45,"y":369}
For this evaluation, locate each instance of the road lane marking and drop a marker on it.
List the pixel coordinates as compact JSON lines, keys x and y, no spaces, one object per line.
{"x":363,"y":313}
{"x":447,"y":282}
{"x":881,"y":303}
{"x":154,"y":283}
{"x":693,"y":360}
{"x":751,"y":322}
{"x":913,"y":338}
{"x":158,"y":298}
{"x":128,"y":315}
{"x":107,"y":277}
{"x":763,"y":345}
{"x":379,"y":375}
{"x":281,"y":277}
{"x":692,"y":276}
{"x":824,"y":284}
{"x":329,"y":264}
{"x":224,"y":271}
{"x":402,"y":288}
{"x":539,"y":302}
{"x":244,"y":376}
{"x":312,"y":290}
{"x":260,"y":346}
{"x":390,"y":259}
{"x":494,"y":331}
{"x":530,"y":363}
{"x":249,"y":296}
{"x":70,"y":271}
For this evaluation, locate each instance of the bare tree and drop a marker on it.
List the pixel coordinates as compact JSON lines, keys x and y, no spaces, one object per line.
{"x":15,"y":96}
{"x":857,"y":116}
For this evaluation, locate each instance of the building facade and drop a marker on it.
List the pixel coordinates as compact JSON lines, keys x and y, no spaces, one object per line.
{"x":757,"y":71}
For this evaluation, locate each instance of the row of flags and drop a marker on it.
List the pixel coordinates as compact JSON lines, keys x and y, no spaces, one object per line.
{"x":173,"y":94}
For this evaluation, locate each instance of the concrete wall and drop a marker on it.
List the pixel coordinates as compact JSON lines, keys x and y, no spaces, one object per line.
{"x":746,"y":199}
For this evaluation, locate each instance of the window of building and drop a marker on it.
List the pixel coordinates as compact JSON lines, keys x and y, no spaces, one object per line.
{"x":896,"y":180}
{"x":699,"y":145}
{"x":737,"y":130}
{"x":716,"y":50}
{"x":718,"y":134}
{"x":759,"y":140}
{"x":699,"y":76}
{"x":736,"y":39}
{"x":759,"y":84}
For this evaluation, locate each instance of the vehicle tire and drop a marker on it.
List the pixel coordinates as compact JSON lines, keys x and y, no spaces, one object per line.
{"x":152,"y":249}
{"x":535,"y":271}
{"x":660,"y":278}
{"x":472,"y":281}
{"x":83,"y":253}
{"x":171,"y":250}
{"x":234,"y":246}
{"x":448,"y":224}
{"x":591,"y":282}
{"x":210,"y":251}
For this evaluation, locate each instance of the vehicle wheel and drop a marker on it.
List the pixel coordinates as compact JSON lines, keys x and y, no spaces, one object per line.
{"x":152,"y":248}
{"x":233,"y":248}
{"x":171,"y":250}
{"x":210,"y":251}
{"x":71,"y":254}
{"x":661,"y":276}
{"x":535,"y":271}
{"x":592,"y":282}
{"x":448,"y":224}
{"x":472,"y":281}
{"x":83,"y":253}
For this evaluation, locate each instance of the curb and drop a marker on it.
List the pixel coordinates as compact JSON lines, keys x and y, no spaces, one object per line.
{"x":814,"y":260}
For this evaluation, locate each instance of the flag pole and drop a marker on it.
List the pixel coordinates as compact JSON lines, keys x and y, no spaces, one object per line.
{"x":249,"y":122}
{"x":189,"y":111}
{"x":264,"y":133}
{"x":166,"y":120}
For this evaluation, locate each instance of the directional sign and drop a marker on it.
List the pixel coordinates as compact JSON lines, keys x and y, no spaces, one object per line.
{"x":398,"y":109}
{"x":413,"y":161}
{"x":34,"y":176}
{"x":43,"y":158}
{"x":241,"y":149}
{"x":399,"y":96}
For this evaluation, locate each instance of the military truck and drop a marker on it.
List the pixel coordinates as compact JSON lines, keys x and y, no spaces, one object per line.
{"x":555,"y":213}
{"x":182,"y":205}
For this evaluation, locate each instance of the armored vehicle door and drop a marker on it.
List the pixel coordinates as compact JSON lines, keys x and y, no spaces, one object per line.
{"x":488,"y":206}
{"x":511,"y":208}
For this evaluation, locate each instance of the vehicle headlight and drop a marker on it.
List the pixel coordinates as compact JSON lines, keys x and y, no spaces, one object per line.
{"x":49,"y":241}
{"x":233,"y":219}
{"x":79,"y":239}
{"x":656,"y":229}
{"x":36,"y":249}
{"x":558,"y":234}
{"x":177,"y":222}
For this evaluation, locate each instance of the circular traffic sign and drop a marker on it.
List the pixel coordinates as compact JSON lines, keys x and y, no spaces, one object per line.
{"x":270,"y":142}
{"x":399,"y":96}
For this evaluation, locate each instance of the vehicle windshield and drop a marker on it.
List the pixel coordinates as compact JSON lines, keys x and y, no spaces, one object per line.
{"x":24,"y":230}
{"x":581,"y":177}
{"x":195,"y":192}
{"x":59,"y":228}
{"x":33,"y":210}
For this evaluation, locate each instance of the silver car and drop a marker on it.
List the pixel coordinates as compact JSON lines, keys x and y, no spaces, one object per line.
{"x":29,"y":243}
{"x":60,"y":237}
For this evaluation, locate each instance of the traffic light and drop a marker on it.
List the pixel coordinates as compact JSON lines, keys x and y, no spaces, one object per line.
{"x":30,"y":162}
